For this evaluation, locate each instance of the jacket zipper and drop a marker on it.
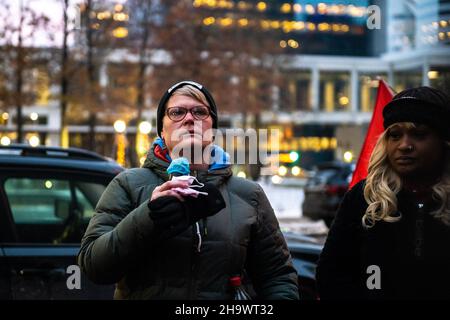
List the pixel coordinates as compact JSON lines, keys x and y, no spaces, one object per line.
{"x":196,"y":239}
{"x":419,"y":236}
{"x":197,"y":228}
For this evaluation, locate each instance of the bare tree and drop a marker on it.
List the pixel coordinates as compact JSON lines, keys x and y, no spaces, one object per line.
{"x":93,"y":42}
{"x":145,"y":25}
{"x":93,"y":85}
{"x":234,"y":60}
{"x":233,"y":57}
{"x":18,"y":35}
{"x":64,"y":79}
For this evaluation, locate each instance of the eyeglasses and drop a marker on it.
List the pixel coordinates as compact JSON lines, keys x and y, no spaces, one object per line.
{"x":179,"y":113}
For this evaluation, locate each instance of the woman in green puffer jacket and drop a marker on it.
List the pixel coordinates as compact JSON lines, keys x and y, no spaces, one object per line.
{"x":157,"y":243}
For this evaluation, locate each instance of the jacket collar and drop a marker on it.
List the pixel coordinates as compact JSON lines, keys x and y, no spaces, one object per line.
{"x":158,"y":161}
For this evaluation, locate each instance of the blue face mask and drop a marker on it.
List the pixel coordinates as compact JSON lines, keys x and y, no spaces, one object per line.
{"x":179,"y":170}
{"x":179,"y":167}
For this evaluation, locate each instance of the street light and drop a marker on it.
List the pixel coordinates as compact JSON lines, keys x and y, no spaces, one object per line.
{"x":293,"y":155}
{"x":296,"y":171}
{"x":348,"y":156}
{"x":282,"y":171}
{"x":145,"y":127}
{"x":5,"y":141}
{"x":34,"y":141}
{"x":34,"y":116}
{"x":241,"y":174}
{"x":276,"y":179}
{"x":142,"y":140}
{"x":120,"y":126}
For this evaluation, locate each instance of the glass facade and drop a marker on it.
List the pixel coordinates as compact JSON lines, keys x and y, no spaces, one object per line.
{"x":299,"y":27}
{"x":433,"y":23}
{"x":418,"y":24}
{"x":407,"y":79}
{"x":368,"y":87}
{"x":121,"y":90}
{"x":440,"y":78}
{"x":317,"y":144}
{"x":104,"y":142}
{"x":334,"y":91}
{"x":296,"y":92}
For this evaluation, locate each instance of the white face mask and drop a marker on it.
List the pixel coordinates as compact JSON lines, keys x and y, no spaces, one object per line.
{"x":189,"y":191}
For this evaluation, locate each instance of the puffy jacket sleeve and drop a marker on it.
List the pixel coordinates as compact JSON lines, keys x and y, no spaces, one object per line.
{"x":338,"y":272}
{"x":115,"y":235}
{"x":269,"y":262}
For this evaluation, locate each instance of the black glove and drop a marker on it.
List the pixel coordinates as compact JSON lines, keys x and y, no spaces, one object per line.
{"x":204,"y":206}
{"x":171,"y":216}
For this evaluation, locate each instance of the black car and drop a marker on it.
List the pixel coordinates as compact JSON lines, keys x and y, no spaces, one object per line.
{"x":47,"y":197}
{"x":305,"y":252}
{"x":325,"y":189}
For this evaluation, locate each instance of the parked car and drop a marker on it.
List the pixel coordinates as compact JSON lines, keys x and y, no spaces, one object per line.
{"x":47,"y":197}
{"x":325,"y":190}
{"x":305,"y":253}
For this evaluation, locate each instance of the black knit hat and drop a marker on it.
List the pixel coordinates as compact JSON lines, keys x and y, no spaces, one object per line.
{"x":424,"y":105}
{"x":162,"y":103}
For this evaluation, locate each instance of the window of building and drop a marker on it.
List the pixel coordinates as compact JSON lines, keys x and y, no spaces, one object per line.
{"x":407,"y":79}
{"x":34,"y":119}
{"x":121,"y":90}
{"x":105,"y":143}
{"x":440,"y":78}
{"x":368,"y":87}
{"x":335,"y":91}
{"x":303,"y":91}
{"x":286,"y":102}
{"x":296,"y":91}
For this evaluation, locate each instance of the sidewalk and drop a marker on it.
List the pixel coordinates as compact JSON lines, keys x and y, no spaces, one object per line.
{"x":285,"y":201}
{"x":287,"y":204}
{"x":304,"y":226}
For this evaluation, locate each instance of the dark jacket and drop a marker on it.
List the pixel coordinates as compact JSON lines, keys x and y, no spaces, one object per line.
{"x":412,"y":254}
{"x":119,"y":243}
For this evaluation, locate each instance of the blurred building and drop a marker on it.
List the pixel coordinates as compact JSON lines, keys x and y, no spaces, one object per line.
{"x":329,"y":97}
{"x":332,"y":55}
{"x":299,"y":27}
{"x":334,"y":52}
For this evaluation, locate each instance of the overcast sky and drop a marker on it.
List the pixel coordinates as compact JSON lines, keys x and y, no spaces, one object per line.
{"x":52,"y":9}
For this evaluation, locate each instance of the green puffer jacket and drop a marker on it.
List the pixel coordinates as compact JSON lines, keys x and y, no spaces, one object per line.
{"x":119,"y":247}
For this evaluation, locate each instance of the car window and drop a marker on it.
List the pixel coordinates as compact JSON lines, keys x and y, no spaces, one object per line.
{"x":51,"y":210}
{"x":88,"y":194}
{"x":322,"y":176}
{"x":341,"y":177}
{"x":33,"y":200}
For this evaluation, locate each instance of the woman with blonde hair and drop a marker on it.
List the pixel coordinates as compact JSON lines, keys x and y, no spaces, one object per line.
{"x":389,"y":239}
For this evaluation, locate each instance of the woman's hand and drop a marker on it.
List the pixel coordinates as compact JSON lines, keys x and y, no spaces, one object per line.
{"x":166,"y":190}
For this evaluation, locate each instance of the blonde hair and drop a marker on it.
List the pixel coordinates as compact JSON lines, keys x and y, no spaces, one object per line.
{"x":193,"y":92}
{"x":383,"y":184}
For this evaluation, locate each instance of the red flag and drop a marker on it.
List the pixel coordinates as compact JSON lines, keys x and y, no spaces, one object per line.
{"x":384,"y":95}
